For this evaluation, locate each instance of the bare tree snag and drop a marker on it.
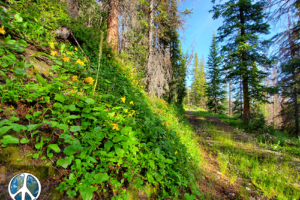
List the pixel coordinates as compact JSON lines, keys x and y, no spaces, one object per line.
{"x":112,"y":24}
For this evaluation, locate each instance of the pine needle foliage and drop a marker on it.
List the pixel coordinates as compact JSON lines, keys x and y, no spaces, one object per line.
{"x":215,"y":91}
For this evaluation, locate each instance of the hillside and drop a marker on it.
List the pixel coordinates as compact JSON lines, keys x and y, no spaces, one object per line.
{"x":85,"y":138}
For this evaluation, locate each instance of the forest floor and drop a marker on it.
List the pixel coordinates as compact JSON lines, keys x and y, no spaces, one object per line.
{"x":222,"y":177}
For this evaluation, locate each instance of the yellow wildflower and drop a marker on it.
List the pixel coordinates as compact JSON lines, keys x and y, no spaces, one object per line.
{"x":51,"y":44}
{"x":163,"y":123}
{"x":89,"y":80}
{"x":71,"y":53}
{"x":131,"y":102}
{"x":176,"y":152}
{"x":115,"y":126}
{"x":123,"y":99}
{"x":168,"y":124}
{"x":130,"y":115}
{"x":53,"y":53}
{"x":66,"y":59}
{"x":133,"y":111}
{"x":126,"y":110}
{"x":2,"y":31}
{"x":168,"y":128}
{"x":73,"y":91}
{"x":74,"y":78}
{"x":80,"y":62}
{"x":104,"y":125}
{"x":76,"y":49}
{"x":178,"y":133}
{"x":84,"y":60}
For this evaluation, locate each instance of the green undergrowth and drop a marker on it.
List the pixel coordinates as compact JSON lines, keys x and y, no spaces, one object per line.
{"x":274,"y":175}
{"x":108,"y":138}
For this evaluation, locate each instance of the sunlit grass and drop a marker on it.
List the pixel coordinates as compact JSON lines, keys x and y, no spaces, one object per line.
{"x":276,"y":177}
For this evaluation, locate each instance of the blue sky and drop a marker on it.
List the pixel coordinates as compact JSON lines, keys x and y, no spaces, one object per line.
{"x":200,"y":27}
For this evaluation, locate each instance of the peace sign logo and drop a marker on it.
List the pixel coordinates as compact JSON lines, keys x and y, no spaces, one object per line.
{"x":24,"y":186}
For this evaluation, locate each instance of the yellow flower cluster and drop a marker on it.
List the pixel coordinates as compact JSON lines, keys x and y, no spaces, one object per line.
{"x":76,"y":49}
{"x":51,"y":44}
{"x":73,"y":91}
{"x":66,"y":59}
{"x":115,"y":126}
{"x":158,"y":111}
{"x":80,"y":62}
{"x":131,"y":102}
{"x":176,"y":152}
{"x":89,"y":80}
{"x":85,"y":60}
{"x":74,"y":78}
{"x":53,"y":53}
{"x":126,"y":110}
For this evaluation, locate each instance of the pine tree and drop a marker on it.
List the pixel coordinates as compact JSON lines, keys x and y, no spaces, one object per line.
{"x":202,"y":83}
{"x":215,"y":91}
{"x":243,"y":21}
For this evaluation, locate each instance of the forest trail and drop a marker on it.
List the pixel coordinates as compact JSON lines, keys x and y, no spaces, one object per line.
{"x":219,"y":182}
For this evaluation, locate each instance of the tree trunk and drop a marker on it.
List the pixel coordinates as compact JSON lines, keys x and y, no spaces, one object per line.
{"x":230,"y":109}
{"x":112,"y":24}
{"x":73,"y":8}
{"x":150,"y":46}
{"x":245,"y":75}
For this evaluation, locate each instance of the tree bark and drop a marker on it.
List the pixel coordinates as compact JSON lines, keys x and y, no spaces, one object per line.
{"x":229,"y":101}
{"x":150,"y":46}
{"x":112,"y":24}
{"x":245,"y":75}
{"x":73,"y":8}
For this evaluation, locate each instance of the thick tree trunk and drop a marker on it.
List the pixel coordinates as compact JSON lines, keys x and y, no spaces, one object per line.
{"x":112,"y":24}
{"x":245,"y":75}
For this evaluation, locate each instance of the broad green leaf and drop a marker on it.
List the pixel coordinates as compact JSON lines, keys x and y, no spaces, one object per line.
{"x":33,"y":126}
{"x":57,"y":105}
{"x":18,"y":127}
{"x":126,"y":130}
{"x":64,"y":162}
{"x":72,"y":149}
{"x":119,"y":138}
{"x":87,"y":192}
{"x":14,"y":119}
{"x":72,"y":107}
{"x":3,"y":122}
{"x":37,"y":113}
{"x":54,"y":147}
{"x":75,"y":128}
{"x":40,"y":79}
{"x":73,"y":117}
{"x":90,"y":101}
{"x":68,"y":138}
{"x":4,"y":129}
{"x":24,"y":140}
{"x":60,"y":98}
{"x":18,"y":17}
{"x":120,"y":152}
{"x":63,"y":126}
{"x":46,"y":99}
{"x":8,"y":139}
{"x":101,"y":177}
{"x":108,"y":145}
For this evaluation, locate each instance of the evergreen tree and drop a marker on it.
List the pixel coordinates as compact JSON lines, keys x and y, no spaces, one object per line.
{"x":202,"y":83}
{"x":243,"y":21}
{"x":198,"y":84}
{"x":215,"y":91}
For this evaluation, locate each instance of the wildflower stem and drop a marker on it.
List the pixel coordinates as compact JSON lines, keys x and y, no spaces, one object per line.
{"x":100,"y":54}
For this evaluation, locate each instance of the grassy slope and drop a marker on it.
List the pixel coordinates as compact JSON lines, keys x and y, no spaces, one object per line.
{"x":107,"y":140}
{"x":253,"y":166}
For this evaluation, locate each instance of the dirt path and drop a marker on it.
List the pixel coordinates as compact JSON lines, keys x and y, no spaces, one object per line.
{"x":214,"y":184}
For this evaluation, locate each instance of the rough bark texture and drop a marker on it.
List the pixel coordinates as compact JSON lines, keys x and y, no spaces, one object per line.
{"x":150,"y":46}
{"x":73,"y":8}
{"x":112,"y":24}
{"x":245,"y":76}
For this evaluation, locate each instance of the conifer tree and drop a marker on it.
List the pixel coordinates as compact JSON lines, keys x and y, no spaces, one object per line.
{"x":243,"y":21}
{"x":215,"y":91}
{"x":198,"y":84}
